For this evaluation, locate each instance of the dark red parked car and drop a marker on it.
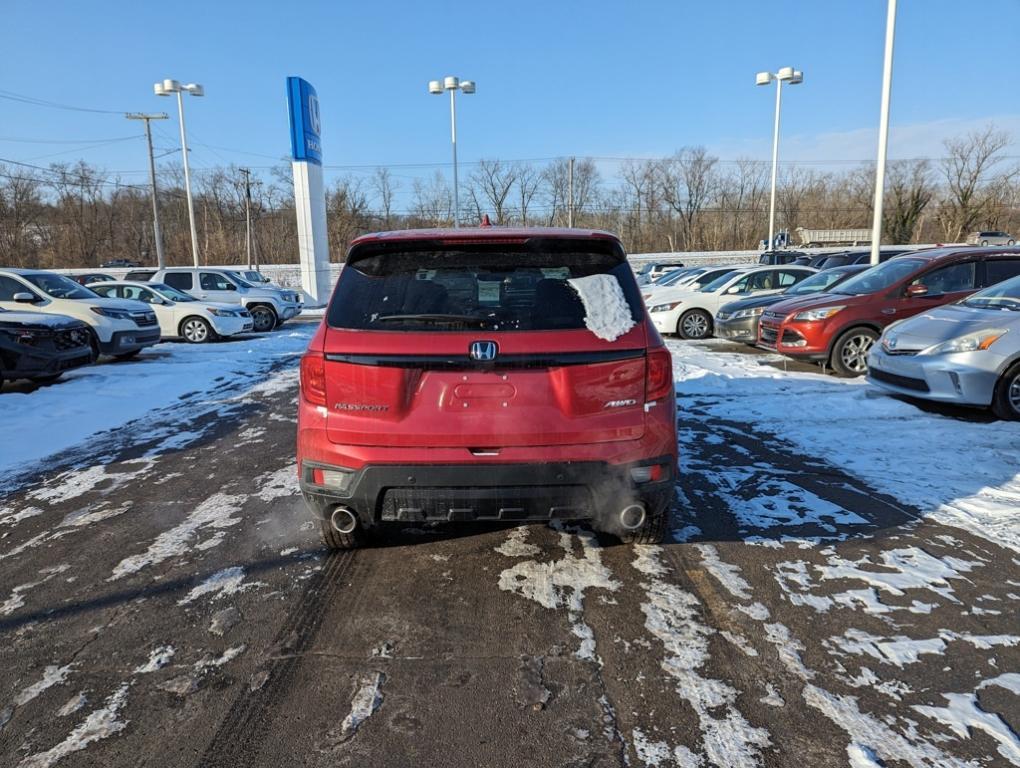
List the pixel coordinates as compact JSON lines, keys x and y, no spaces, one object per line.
{"x":487,"y":374}
{"x":838,"y":328}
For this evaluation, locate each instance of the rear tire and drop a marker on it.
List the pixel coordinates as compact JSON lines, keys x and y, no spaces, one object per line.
{"x":652,"y":531}
{"x":339,"y":541}
{"x":694,"y":324}
{"x":984,"y":242}
{"x":850,"y":352}
{"x":1006,"y":400}
{"x":1011,"y":242}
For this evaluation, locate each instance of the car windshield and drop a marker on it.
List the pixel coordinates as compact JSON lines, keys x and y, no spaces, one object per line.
{"x":59,"y":287}
{"x":879,"y":278}
{"x":815,"y":283}
{"x":466,"y":287}
{"x":671,"y":277}
{"x":169,"y":292}
{"x":719,"y":282}
{"x":1004,"y":296}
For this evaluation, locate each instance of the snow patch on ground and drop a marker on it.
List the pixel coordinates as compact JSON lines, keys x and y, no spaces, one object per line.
{"x":728,"y":575}
{"x":980,"y":497}
{"x":213,"y":514}
{"x":158,"y":659}
{"x":275,"y":485}
{"x":516,"y":544}
{"x":17,"y":597}
{"x":562,"y":583}
{"x":962,"y":715}
{"x":99,"y":398}
{"x":673,"y":617}
{"x":367,"y":699}
{"x":606,"y":312}
{"x":100,"y":724}
{"x":220,"y":584}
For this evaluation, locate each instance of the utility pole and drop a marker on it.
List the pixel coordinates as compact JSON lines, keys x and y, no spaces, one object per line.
{"x":156,"y":233}
{"x":247,"y":213}
{"x":570,"y":193}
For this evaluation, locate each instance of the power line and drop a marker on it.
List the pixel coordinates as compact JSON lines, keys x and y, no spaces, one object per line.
{"x":22,"y":98}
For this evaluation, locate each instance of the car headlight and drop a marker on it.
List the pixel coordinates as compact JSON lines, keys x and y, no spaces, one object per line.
{"x":822,"y":313}
{"x":666,"y":307}
{"x":742,"y":313}
{"x":972,"y":342}
{"x":222,"y":312}
{"x":116,"y":314}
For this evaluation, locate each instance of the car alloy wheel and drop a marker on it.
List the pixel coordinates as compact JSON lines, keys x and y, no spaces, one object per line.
{"x":263,"y":318}
{"x":694,"y":325}
{"x":1013,"y":394}
{"x":195,"y":330}
{"x":854,"y":352}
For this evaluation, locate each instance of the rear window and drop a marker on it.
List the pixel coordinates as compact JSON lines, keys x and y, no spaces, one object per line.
{"x":512,"y":287}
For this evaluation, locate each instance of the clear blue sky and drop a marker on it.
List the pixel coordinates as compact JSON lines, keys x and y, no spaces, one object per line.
{"x":554,"y":78}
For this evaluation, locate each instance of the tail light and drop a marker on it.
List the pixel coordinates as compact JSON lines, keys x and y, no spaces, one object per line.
{"x":659,"y":374}
{"x":313,"y":378}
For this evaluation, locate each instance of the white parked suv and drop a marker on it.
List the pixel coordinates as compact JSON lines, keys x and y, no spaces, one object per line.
{"x":117,"y":327}
{"x":181,"y":315}
{"x":269,"y":306}
{"x":691,"y":313}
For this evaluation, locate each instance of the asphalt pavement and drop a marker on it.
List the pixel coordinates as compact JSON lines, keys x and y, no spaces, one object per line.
{"x":166,"y":602}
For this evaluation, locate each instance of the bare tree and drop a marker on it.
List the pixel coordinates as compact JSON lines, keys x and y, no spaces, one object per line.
{"x":529,"y":181}
{"x":688,"y":180}
{"x":385,"y":188}
{"x":21,"y":214}
{"x":968,"y":167}
{"x":490,"y":184}
{"x":433,"y":201}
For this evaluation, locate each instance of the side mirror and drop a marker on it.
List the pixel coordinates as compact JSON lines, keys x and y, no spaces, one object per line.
{"x":24,"y":297}
{"x":916,"y":290}
{"x":231,"y":287}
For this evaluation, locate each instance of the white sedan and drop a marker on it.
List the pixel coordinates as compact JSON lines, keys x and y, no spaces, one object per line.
{"x":181,"y":315}
{"x":691,"y":313}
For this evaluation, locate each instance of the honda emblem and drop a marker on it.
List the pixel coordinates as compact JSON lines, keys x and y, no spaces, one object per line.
{"x":484,"y":351}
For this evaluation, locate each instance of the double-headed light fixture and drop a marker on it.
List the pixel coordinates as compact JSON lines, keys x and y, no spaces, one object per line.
{"x":793,"y":77}
{"x":453,"y":84}
{"x":165,"y":88}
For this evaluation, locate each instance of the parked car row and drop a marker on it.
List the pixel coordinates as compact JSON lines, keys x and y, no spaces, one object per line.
{"x":51,"y":323}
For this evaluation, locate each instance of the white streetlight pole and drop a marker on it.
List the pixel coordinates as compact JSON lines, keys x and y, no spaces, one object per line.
{"x":793,"y":77}
{"x":883,"y":132}
{"x":165,"y":88}
{"x":451,"y":84}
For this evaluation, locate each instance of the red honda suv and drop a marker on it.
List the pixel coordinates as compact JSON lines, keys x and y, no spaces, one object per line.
{"x":487,"y":374}
{"x":839,"y":327}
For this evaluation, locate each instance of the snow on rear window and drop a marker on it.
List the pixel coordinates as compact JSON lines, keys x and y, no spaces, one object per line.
{"x":606,"y":312}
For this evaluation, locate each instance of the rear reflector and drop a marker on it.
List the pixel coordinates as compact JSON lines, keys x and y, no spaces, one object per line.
{"x":659,"y":377}
{"x":649,"y":474}
{"x":313,"y":378}
{"x":332,"y":478}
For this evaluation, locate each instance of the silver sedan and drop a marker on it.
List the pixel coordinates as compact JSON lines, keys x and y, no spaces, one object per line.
{"x":966,"y":353}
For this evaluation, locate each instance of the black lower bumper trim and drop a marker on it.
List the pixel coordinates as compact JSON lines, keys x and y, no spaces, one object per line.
{"x":489,"y":492}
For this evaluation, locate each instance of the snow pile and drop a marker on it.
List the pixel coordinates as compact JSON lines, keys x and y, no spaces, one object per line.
{"x":923,"y":459}
{"x":97,"y":398}
{"x":606,"y":312}
{"x":100,"y":724}
{"x":220,"y":584}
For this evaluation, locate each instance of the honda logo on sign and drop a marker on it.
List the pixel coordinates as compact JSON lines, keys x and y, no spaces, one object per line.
{"x":483,"y":350}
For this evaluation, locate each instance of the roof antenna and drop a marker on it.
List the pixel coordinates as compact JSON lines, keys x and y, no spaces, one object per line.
{"x":485,"y":221}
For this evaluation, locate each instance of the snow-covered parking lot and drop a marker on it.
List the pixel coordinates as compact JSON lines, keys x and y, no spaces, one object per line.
{"x":840,"y":588}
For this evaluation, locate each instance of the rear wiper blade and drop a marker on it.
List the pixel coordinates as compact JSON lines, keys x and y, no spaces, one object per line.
{"x":435,"y":318}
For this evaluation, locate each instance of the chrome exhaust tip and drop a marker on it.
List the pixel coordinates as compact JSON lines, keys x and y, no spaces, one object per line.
{"x":343,"y":520}
{"x":632,"y":517}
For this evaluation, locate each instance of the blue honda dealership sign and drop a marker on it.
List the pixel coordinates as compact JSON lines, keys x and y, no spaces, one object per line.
{"x":305,"y":123}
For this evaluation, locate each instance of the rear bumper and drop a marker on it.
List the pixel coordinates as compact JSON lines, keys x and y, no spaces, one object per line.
{"x":580,"y":490}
